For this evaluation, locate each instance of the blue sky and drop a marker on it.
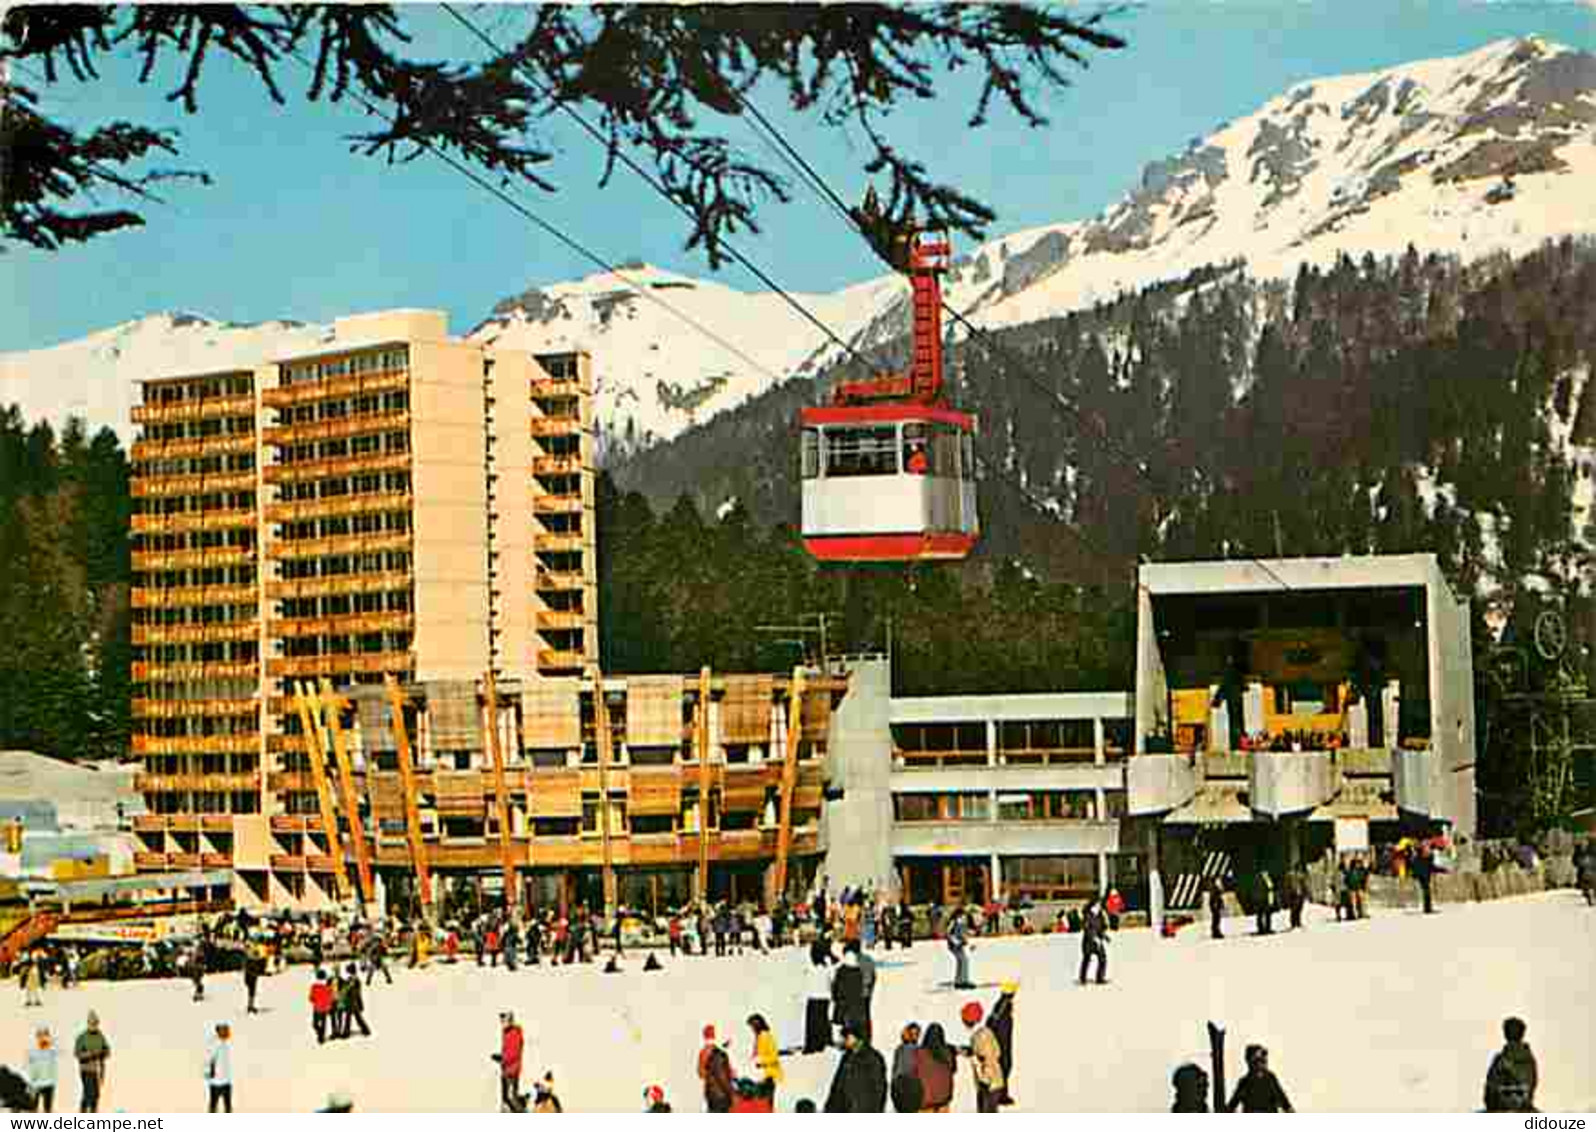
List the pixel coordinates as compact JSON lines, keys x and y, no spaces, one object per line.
{"x":296,"y":226}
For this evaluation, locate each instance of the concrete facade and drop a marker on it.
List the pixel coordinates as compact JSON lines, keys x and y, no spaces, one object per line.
{"x":374,"y":507}
{"x":979,"y":798}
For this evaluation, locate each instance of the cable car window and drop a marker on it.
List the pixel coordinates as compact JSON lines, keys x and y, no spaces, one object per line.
{"x":916,"y":449}
{"x":811,"y":453}
{"x":946,"y":452}
{"x":869,"y":451}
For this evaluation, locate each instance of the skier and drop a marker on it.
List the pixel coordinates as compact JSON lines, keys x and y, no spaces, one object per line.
{"x":42,"y":1070}
{"x":196,"y":971}
{"x":1191,"y":1089}
{"x":714,"y":1070}
{"x":907,"y":1095}
{"x":1001,"y":1022}
{"x":1423,"y":868}
{"x":92,"y":1052}
{"x":1216,"y":908}
{"x":817,"y":1007}
{"x":254,"y":968}
{"x":1094,"y":942}
{"x":512,"y":1045}
{"x":1264,"y":895}
{"x":32,"y":980}
{"x":352,"y":1003}
{"x":321,"y":1006}
{"x":219,"y":1069}
{"x":984,"y":1059}
{"x":1510,"y":1082}
{"x":860,"y":1084}
{"x":959,"y":945}
{"x":847,"y":990}
{"x":1259,"y":1090}
{"x":1296,"y":896}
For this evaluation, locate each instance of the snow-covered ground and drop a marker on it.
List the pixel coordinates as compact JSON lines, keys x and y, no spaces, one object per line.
{"x":1398,"y":1013}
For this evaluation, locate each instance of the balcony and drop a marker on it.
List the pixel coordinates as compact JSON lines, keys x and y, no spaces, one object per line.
{"x":183,"y":823}
{"x":146,"y":597}
{"x":1087,"y":776}
{"x":1157,"y":783}
{"x":152,"y":413}
{"x":199,"y":783}
{"x":287,"y":781}
{"x":216,"y":860}
{"x":310,"y":392}
{"x":343,"y":623}
{"x":1288,"y":782}
{"x":286,"y":862}
{"x":193,"y":709}
{"x":184,"y":861}
{"x":557,"y":465}
{"x":556,"y":425}
{"x":180,"y":521}
{"x":151,"y":487}
{"x":307,"y":432}
{"x":149,"y":823}
{"x":149,"y":862}
{"x":147,"y":560}
{"x":1021,"y":838}
{"x":561,"y":660}
{"x":285,"y":549}
{"x":383,"y":582}
{"x":336,"y":467}
{"x":235,"y":443}
{"x":337,"y":505}
{"x":196,"y":744}
{"x":321,"y":863}
{"x":217,"y":823}
{"x":340,"y":664}
{"x":551,"y":388}
{"x":195,"y":634}
{"x":553,"y":620}
{"x":556,"y":544}
{"x":562,"y":580}
{"x":145,"y":672}
{"x":557,"y":505}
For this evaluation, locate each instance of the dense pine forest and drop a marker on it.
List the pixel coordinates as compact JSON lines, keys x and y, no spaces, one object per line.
{"x":1407,"y":405}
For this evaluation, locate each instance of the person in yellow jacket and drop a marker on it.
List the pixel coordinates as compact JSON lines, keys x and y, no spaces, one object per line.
{"x":986,"y":1059}
{"x":765,"y":1055}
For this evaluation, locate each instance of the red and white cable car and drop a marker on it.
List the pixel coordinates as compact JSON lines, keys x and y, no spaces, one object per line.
{"x":889,"y":466}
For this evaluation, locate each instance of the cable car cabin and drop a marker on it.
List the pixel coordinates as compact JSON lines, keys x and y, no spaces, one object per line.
{"x":888,"y":483}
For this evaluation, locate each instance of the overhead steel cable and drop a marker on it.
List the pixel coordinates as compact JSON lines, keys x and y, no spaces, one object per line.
{"x":652,"y":182}
{"x":640,"y":288}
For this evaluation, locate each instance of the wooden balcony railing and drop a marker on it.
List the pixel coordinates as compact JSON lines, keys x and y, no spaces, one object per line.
{"x":336,"y":466}
{"x":149,"y":862}
{"x":193,"y":559}
{"x":556,"y":426}
{"x":184,"y":860}
{"x":284,"y":781}
{"x":145,"y":597}
{"x":180,"y":521}
{"x":195,"y":634}
{"x":335,"y":388}
{"x":343,"y":623}
{"x":284,"y":549}
{"x":383,"y":582}
{"x":381,"y":662}
{"x":193,"y":709}
{"x":149,"y":823}
{"x":561,"y":660}
{"x":195,"y":744}
{"x":216,"y":860}
{"x":560,"y":580}
{"x":234,"y":443}
{"x":156,"y":412}
{"x":145,"y":672}
{"x":557,"y":504}
{"x":199,"y":783}
{"x":337,"y":505}
{"x":287,"y":862}
{"x":359,"y":424}
{"x":218,"y":823}
{"x":551,"y":388}
{"x":556,"y":619}
{"x":558,"y":544}
{"x":321,"y":863}
{"x":556,"y":465}
{"x":147,"y":487}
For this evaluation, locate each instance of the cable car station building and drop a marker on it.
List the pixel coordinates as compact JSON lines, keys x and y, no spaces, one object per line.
{"x":1287,"y":707}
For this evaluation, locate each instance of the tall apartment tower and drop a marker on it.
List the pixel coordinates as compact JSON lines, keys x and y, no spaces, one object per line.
{"x":396,"y":502}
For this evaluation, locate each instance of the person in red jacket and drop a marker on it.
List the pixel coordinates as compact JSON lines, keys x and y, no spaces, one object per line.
{"x":492,"y":946}
{"x":714,"y":1070}
{"x":321,"y":1004}
{"x":512,"y":1046}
